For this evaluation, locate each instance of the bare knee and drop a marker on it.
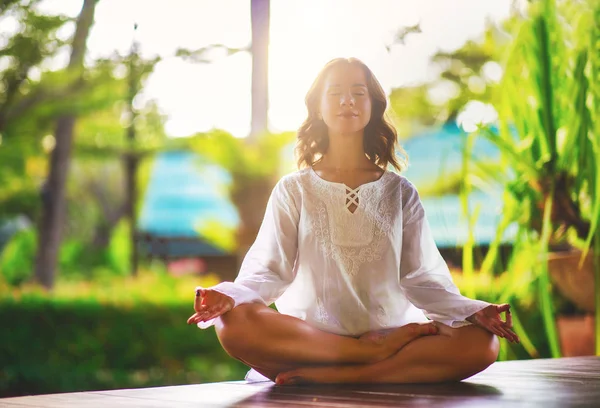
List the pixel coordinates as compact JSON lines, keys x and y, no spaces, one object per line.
{"x":489,"y":347}
{"x":235,"y":326}
{"x":481,"y":348}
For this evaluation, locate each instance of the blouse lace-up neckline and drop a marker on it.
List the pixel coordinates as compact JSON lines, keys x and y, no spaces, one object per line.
{"x":352,"y":197}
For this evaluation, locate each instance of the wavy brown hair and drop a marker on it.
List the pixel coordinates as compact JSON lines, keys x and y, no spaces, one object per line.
{"x":380,"y":139}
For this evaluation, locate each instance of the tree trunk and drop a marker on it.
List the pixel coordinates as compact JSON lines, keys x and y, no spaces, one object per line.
{"x":131,"y":159}
{"x":260,"y":67}
{"x":53,"y":194}
{"x":250,"y":196}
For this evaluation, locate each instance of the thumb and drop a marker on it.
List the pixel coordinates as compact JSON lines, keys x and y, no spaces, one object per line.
{"x":199,"y":299}
{"x":505,"y":307}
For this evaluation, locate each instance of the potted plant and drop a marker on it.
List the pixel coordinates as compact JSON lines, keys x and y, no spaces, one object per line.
{"x":548,"y":136}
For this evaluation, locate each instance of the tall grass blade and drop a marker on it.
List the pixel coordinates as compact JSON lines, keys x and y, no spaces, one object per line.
{"x":544,"y":286}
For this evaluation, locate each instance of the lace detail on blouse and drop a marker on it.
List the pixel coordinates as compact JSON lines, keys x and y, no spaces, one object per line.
{"x":321,"y":313}
{"x":351,"y":239}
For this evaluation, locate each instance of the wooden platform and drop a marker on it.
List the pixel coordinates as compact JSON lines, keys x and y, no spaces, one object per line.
{"x":566,"y":382}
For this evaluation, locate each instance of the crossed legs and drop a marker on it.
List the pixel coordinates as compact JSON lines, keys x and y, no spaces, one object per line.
{"x":289,"y":350}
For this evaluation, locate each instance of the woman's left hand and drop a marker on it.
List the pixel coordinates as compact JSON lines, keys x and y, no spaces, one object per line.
{"x":491,"y":320}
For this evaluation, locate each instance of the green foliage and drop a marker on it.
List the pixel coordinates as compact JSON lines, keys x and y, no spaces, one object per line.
{"x":464,"y":70}
{"x":240,"y":157}
{"x":34,"y":40}
{"x":525,"y":308}
{"x":254,"y":165}
{"x":410,"y":109}
{"x":78,"y":260}
{"x":219,"y":235}
{"x":84,"y":344}
{"x":549,"y":141}
{"x":16,"y":259}
{"x":119,"y":248}
{"x":464,"y":76}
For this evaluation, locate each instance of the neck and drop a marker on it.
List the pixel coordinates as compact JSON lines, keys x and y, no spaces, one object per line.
{"x":346,"y":152}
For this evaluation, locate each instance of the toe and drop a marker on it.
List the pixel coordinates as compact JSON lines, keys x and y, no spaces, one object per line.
{"x":430,"y":328}
{"x":423,"y":329}
{"x":286,"y":378}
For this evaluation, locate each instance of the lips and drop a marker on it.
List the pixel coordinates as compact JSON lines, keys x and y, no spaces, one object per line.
{"x":348,"y":114}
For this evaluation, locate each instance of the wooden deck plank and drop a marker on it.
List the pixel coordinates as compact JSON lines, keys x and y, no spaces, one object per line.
{"x":566,"y":382}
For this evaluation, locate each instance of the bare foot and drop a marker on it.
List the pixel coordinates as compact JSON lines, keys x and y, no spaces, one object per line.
{"x":318,"y":375}
{"x":392,"y":340}
{"x":401,"y":336}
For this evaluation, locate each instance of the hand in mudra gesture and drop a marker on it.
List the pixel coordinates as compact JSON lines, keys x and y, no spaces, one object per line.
{"x":490,"y":319}
{"x":210,"y":304}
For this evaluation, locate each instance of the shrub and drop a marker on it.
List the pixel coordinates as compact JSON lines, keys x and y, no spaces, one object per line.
{"x":130,"y":333}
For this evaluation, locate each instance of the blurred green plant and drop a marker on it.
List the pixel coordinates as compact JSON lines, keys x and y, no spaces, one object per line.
{"x":123,"y":333}
{"x":549,"y":141}
{"x":219,"y":235}
{"x":78,"y":260}
{"x":469,"y":73}
{"x":254,"y":167}
{"x":16,"y":259}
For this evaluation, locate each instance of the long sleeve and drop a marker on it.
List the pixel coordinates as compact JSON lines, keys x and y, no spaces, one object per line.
{"x":268,"y":267}
{"x":424,"y":275}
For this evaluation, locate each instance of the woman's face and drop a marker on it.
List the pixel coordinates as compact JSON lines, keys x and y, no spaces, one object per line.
{"x":345,"y":102}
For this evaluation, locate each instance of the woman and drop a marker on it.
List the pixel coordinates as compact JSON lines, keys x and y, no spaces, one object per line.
{"x":346,"y":253}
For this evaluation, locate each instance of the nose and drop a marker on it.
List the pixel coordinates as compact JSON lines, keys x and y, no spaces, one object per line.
{"x":347,"y":99}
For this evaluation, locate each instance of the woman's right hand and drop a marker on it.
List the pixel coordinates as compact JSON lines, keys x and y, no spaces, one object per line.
{"x":210,"y":304}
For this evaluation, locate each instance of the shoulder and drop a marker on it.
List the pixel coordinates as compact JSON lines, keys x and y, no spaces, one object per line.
{"x":289,"y":187}
{"x":412,"y":207}
{"x":404,"y":185}
{"x":295,"y":177}
{"x":292,"y":183}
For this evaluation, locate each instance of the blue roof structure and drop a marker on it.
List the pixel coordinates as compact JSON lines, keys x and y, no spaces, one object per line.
{"x":183,"y":195}
{"x":440,"y":151}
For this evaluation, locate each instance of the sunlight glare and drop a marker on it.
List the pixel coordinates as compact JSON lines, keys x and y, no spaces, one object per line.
{"x":476,"y":113}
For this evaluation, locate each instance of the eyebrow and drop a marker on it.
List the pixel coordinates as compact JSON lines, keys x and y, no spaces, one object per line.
{"x":353,"y":86}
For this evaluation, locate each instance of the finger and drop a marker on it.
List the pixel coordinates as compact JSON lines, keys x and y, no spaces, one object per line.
{"x":513,"y":335}
{"x":215,"y":313}
{"x":514,"y":338}
{"x":213,"y":316}
{"x":208,"y":311}
{"x":496,"y":330}
{"x":506,"y":334}
{"x":198,"y":298}
{"x":219,"y":312}
{"x":490,"y":327}
{"x":498,"y":333}
{"x":201,"y":317}
{"x":510,"y":335}
{"x":509,"y":322}
{"x":191,"y":319}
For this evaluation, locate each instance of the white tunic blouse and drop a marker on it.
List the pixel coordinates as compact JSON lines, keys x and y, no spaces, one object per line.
{"x":348,"y":272}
